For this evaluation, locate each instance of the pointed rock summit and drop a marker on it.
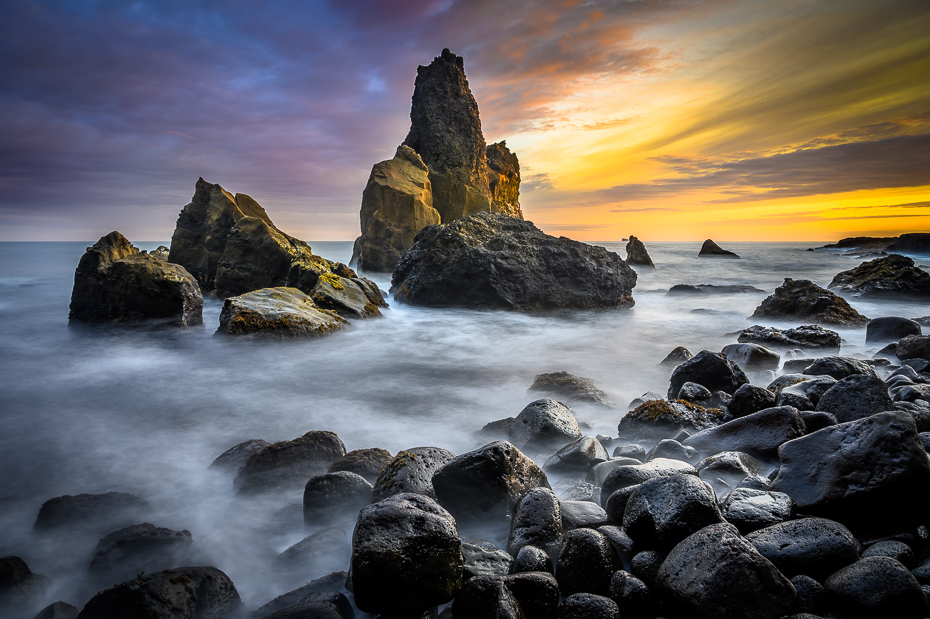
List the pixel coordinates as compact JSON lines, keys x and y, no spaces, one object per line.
{"x":443,"y":171}
{"x":711,"y":249}
{"x":636,"y":253}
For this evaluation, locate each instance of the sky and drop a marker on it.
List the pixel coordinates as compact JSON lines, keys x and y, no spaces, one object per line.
{"x":673,"y":120}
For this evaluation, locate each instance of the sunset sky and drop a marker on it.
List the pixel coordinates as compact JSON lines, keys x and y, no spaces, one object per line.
{"x":672,"y":120}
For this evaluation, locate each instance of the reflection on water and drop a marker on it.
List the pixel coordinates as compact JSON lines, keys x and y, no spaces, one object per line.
{"x":145,"y":409}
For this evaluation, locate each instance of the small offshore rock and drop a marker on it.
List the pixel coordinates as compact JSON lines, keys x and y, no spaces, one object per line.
{"x":569,"y":386}
{"x":365,"y":462}
{"x":411,"y":470}
{"x":544,"y":424}
{"x":236,"y":456}
{"x":277,"y":313}
{"x":801,"y":299}
{"x":286,"y":465}
{"x":679,"y":355}
{"x":636,"y":253}
{"x":808,"y":337}
{"x":333,"y":496}
{"x":890,"y":329}
{"x":711,"y":250}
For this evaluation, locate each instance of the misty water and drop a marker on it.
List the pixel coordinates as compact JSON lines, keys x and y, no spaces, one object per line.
{"x":146,"y":409}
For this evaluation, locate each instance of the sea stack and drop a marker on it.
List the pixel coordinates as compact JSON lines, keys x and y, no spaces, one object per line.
{"x":463,"y":175}
{"x":636,"y":253}
{"x":711,"y":250}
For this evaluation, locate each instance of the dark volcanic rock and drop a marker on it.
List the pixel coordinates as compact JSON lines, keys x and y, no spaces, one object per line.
{"x":504,"y":180}
{"x":184,"y":592}
{"x":92,"y":512}
{"x":582,"y":514}
{"x":663,"y":511}
{"x":856,"y":397}
{"x":838,"y":367}
{"x":876,"y":587}
{"x":811,"y":337}
{"x":730,"y":467}
{"x":236,"y":456}
{"x":816,"y":547}
{"x":645,"y":565}
{"x":406,"y":555}
{"x":801,"y":299}
{"x":20,"y":588}
{"x":332,"y":496}
{"x":280,"y":313}
{"x":483,"y":562}
{"x":532,"y":559}
{"x":631,"y":594}
{"x":890,"y":328}
{"x":494,"y":261}
{"x":570,"y":387}
{"x":758,"y":434}
{"x":914,"y":347}
{"x":329,"y":583}
{"x":891,"y":548}
{"x":750,"y":510}
{"x":705,"y":289}
{"x":579,"y":455}
{"x":811,"y":596}
{"x":711,"y":250}
{"x":446,"y":132}
{"x":200,"y":234}
{"x":544,"y":424}
{"x":634,"y":474}
{"x":636,"y":253}
{"x":366,"y":462}
{"x":679,"y":355}
{"x":529,"y":595}
{"x":716,"y":574}
{"x":537,"y":521}
{"x":889,"y":276}
{"x":752,"y":356}
{"x":318,"y":605}
{"x":800,"y":390}
{"x":859,"y":472}
{"x":58,"y":610}
{"x":862,"y":243}
{"x":672,"y":450}
{"x":487,"y":483}
{"x":322,"y":548}
{"x":135,"y":549}
{"x":709,"y":369}
{"x":586,"y":563}
{"x":661,"y":418}
{"x":288,"y":464}
{"x":116,"y":282}
{"x":411,"y":470}
{"x":750,"y":399}
{"x":588,"y":606}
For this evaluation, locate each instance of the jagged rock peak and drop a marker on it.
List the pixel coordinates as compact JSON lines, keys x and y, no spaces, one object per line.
{"x":504,"y":179}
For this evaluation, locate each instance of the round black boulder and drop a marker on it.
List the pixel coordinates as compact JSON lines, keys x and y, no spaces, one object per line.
{"x":710,"y":369}
{"x":588,"y":606}
{"x":586,"y":563}
{"x":876,"y":587}
{"x":816,"y":547}
{"x":331,"y":496}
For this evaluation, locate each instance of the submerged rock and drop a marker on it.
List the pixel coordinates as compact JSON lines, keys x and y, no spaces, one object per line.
{"x":366,"y":462}
{"x":889,"y":276}
{"x":636,"y":253}
{"x":236,"y":456}
{"x":711,"y":250}
{"x":277,"y":313}
{"x":663,"y":418}
{"x":20,"y":588}
{"x":288,"y":465}
{"x":890,"y":328}
{"x":569,"y":386}
{"x":135,"y":549}
{"x":494,"y":261}
{"x":397,"y":203}
{"x":97,"y":513}
{"x":801,"y":299}
{"x":705,"y":289}
{"x":679,"y":355}
{"x":811,"y":337}
{"x":115,"y":282}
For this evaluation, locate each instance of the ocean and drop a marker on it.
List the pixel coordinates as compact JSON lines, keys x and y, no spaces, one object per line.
{"x":146,"y":409}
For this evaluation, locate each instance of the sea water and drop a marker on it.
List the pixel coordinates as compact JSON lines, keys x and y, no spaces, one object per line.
{"x":146,"y":409}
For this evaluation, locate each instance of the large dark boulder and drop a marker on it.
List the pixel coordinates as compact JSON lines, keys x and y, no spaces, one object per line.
{"x":801,"y":299}
{"x":525,"y":595}
{"x":137,"y":548}
{"x":406,"y":556}
{"x":536,"y":521}
{"x":810,"y":337}
{"x":366,"y":462}
{"x":586,"y":563}
{"x":716,"y":574}
{"x":890,"y":329}
{"x":115,"y":282}
{"x":758,"y":434}
{"x":20,"y":588}
{"x":634,"y":474}
{"x":97,"y":513}
{"x":862,"y":473}
{"x":662,"y":418}
{"x":712,"y":370}
{"x":816,"y":547}
{"x":889,"y":276}
{"x":914,"y":347}
{"x":663,"y":511}
{"x":487,"y":483}
{"x":494,"y":261}
{"x":332,"y":496}
{"x":876,"y":587}
{"x":750,"y":510}
{"x":837,"y":367}
{"x":544,"y":424}
{"x":317,"y":605}
{"x":855,"y":397}
{"x":287,"y":465}
{"x":569,"y":387}
{"x":236,"y":456}
{"x":750,"y":399}
{"x":711,"y":250}
{"x":411,"y":470}
{"x":752,"y":356}
{"x":578,"y":456}
{"x":480,"y":561}
{"x":184,"y":592}
{"x":636,"y":253}
{"x":588,"y":606}
{"x":280,"y":313}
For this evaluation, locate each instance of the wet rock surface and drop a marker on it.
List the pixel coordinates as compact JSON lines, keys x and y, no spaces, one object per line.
{"x":810,"y":337}
{"x":876,"y":586}
{"x":280,"y":313}
{"x":750,"y":510}
{"x":636,"y":253}
{"x":856,"y":397}
{"x":578,"y":456}
{"x":662,"y":512}
{"x":758,"y":434}
{"x":537,"y":521}
{"x":634,"y":474}
{"x":411,"y":470}
{"x":534,"y":595}
{"x":569,"y":387}
{"x":890,"y":329}
{"x":288,"y":464}
{"x":542,"y":425}
{"x":331,"y":496}
{"x":95,"y":513}
{"x":913,"y":347}
{"x":815,"y":547}
{"x":367,"y":462}
{"x":586,"y":563}
{"x":891,"y":275}
{"x":800,"y":299}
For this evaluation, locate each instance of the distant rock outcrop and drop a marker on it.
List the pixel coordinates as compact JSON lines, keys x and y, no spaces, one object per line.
{"x":444,"y":170}
{"x":116,"y":282}
{"x":705,"y":289}
{"x":893,"y":275}
{"x":711,"y":250}
{"x":802,"y":300}
{"x":636,"y":253}
{"x":912,"y":243}
{"x":494,"y":261}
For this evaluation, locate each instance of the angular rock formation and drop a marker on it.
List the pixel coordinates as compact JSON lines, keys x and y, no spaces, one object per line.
{"x":396,"y":204}
{"x":801,"y":299}
{"x":200,"y":235}
{"x":912,"y":243}
{"x":711,"y":250}
{"x":504,"y":180}
{"x":277,"y":313}
{"x":806,"y":336}
{"x":493,"y":261}
{"x":636,"y":253}
{"x":114,"y":281}
{"x":893,"y":275}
